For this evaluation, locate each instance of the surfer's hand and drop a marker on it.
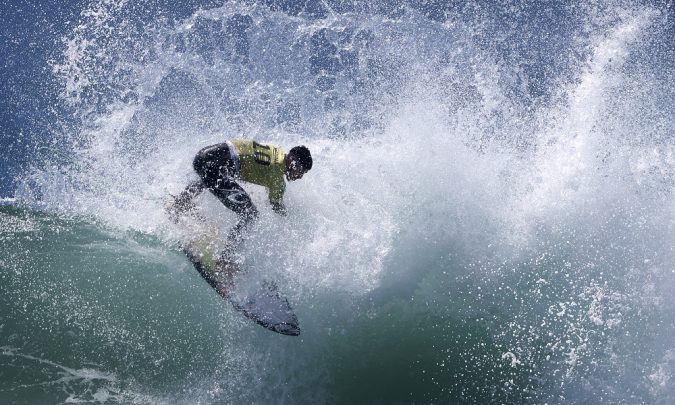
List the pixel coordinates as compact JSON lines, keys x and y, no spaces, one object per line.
{"x":279,"y":209}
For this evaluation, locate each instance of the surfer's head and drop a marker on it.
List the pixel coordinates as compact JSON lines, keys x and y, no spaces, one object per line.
{"x":298,"y":162}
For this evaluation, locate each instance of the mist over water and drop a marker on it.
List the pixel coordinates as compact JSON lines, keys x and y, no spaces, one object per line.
{"x":489,"y":217}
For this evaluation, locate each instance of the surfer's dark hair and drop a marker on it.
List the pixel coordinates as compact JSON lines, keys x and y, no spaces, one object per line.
{"x":302,"y":155}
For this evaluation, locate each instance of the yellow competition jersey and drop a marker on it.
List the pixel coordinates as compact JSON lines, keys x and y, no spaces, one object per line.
{"x":262,"y":164}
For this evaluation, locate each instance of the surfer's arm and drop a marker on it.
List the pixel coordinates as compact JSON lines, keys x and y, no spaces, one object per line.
{"x":276,"y":195}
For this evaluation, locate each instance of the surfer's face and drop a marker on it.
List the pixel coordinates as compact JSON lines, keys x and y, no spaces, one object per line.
{"x":294,"y":170}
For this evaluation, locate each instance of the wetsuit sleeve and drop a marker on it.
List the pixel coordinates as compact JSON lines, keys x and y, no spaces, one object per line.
{"x":276,"y":194}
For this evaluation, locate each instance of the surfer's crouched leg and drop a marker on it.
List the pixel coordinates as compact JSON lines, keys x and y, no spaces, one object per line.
{"x":233,"y":196}
{"x":214,"y":166}
{"x":237,"y":233}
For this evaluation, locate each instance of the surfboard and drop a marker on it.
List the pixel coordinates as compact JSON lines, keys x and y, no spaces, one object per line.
{"x":266,"y":306}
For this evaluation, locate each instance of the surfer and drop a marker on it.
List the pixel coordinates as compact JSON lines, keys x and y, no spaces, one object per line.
{"x":220,"y":166}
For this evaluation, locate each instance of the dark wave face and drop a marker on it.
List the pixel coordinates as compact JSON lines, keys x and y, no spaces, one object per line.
{"x":489,"y":217}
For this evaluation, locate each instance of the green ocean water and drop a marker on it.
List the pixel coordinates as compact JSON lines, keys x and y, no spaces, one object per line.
{"x":83,"y":308}
{"x":92,"y":315}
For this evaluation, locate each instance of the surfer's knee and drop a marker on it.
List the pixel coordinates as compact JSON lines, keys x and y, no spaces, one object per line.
{"x":249,"y":214}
